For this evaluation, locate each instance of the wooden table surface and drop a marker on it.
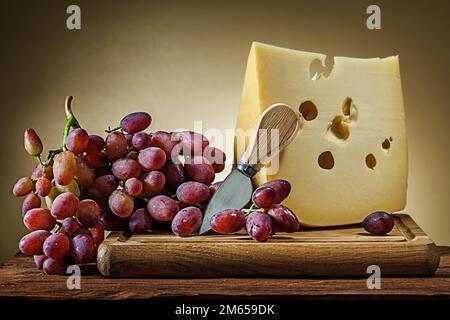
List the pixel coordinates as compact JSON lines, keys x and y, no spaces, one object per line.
{"x":20,"y":279}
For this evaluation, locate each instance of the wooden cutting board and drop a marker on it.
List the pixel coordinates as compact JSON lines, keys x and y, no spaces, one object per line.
{"x":344,"y":251}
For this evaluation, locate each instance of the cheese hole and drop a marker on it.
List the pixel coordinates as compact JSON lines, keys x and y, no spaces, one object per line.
{"x":349,"y":110}
{"x":371,"y":161}
{"x":390,"y":139}
{"x":386,"y":145}
{"x":308,"y":110}
{"x":339,"y":128}
{"x":326,"y":160}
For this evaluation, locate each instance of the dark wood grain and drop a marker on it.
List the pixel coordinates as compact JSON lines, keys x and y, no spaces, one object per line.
{"x":20,"y":279}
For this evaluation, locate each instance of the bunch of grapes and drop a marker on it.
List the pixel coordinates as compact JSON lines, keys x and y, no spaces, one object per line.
{"x":265,"y":216}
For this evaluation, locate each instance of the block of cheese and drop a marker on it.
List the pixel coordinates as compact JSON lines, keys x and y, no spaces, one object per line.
{"x":350,"y":158}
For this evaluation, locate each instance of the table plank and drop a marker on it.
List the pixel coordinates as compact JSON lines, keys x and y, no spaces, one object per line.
{"x":20,"y":279}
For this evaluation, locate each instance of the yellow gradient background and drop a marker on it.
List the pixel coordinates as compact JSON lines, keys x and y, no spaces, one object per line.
{"x":185,"y":60}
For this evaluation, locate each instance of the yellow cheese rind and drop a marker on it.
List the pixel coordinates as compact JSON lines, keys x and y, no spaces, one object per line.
{"x":350,"y":190}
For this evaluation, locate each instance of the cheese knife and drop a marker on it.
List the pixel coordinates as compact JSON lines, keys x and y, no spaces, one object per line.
{"x":276,"y":128}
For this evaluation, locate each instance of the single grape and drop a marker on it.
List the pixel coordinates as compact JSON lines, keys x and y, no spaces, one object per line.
{"x":135,"y":122}
{"x":32,"y":142}
{"x":141,"y":140}
{"x":64,"y":167}
{"x":264,"y":197}
{"x":23,"y":187}
{"x":98,"y":234}
{"x":152,"y":183}
{"x":259,"y":226}
{"x":95,"y":144}
{"x":228,"y":221}
{"x":31,"y":244}
{"x":116,"y":145}
{"x":151,"y":158}
{"x":39,"y":219}
{"x":121,"y":203}
{"x":103,"y":186}
{"x":39,"y":172}
{"x":95,"y":159}
{"x":216,"y":157}
{"x":140,"y":221}
{"x":31,"y":201}
{"x":39,"y":260}
{"x":199,"y":169}
{"x":282,"y":189}
{"x":133,"y":155}
{"x":70,"y":225}
{"x":187,"y":221}
{"x":84,"y":231}
{"x":54,"y":266}
{"x":175,"y":174}
{"x":84,"y":174}
{"x":192,"y":192}
{"x":165,"y":141}
{"x":71,"y":187}
{"x":124,"y":169}
{"x":213,"y":188}
{"x":65,"y":205}
{"x":283,"y":219}
{"x":162,"y":208}
{"x":77,"y":141}
{"x":83,"y":249}
{"x":111,"y":222}
{"x":133,"y":186}
{"x":379,"y":223}
{"x":129,"y":137}
{"x":43,"y":186}
{"x":102,"y":170}
{"x":191,"y":143}
{"x":56,"y":246}
{"x":88,"y":213}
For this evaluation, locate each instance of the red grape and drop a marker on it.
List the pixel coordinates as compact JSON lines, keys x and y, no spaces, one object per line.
{"x":32,"y":142}
{"x":88,"y":213}
{"x":77,"y":141}
{"x":213,"y":188}
{"x":95,"y":144}
{"x":84,"y":175}
{"x":70,"y":225}
{"x":124,"y":169}
{"x":141,"y":140}
{"x":116,"y":145}
{"x":259,"y":226}
{"x":175,"y":174}
{"x":56,"y":246}
{"x":152,"y":183}
{"x":31,"y":244}
{"x":264,"y":197}
{"x":140,"y":221}
{"x":103,"y":186}
{"x":135,"y":122}
{"x":43,"y":186}
{"x":65,"y":205}
{"x":31,"y":201}
{"x":192,"y":192}
{"x":111,"y":222}
{"x":228,"y":221}
{"x":166,"y":142}
{"x":162,"y":208}
{"x":94,"y":159}
{"x":191,"y":143}
{"x":38,"y":172}
{"x":133,"y":155}
{"x":133,"y":186}
{"x":83,"y":249}
{"x":98,"y":234}
{"x":54,"y":266}
{"x":283,"y":219}
{"x":39,"y":219}
{"x":121,"y":203}
{"x":216,"y":157}
{"x":378,"y":223}
{"x":23,"y":187}
{"x":199,"y":169}
{"x":187,"y":221}
{"x":84,"y":231}
{"x":282,"y":189}
{"x":39,"y":260}
{"x":151,"y":158}
{"x":64,"y":167}
{"x":129,"y":137}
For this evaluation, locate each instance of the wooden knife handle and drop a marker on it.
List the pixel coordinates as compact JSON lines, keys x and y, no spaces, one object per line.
{"x":276,"y":128}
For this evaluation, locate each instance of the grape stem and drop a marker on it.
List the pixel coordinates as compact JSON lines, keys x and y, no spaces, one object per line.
{"x":252,"y":209}
{"x":71,"y":121}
